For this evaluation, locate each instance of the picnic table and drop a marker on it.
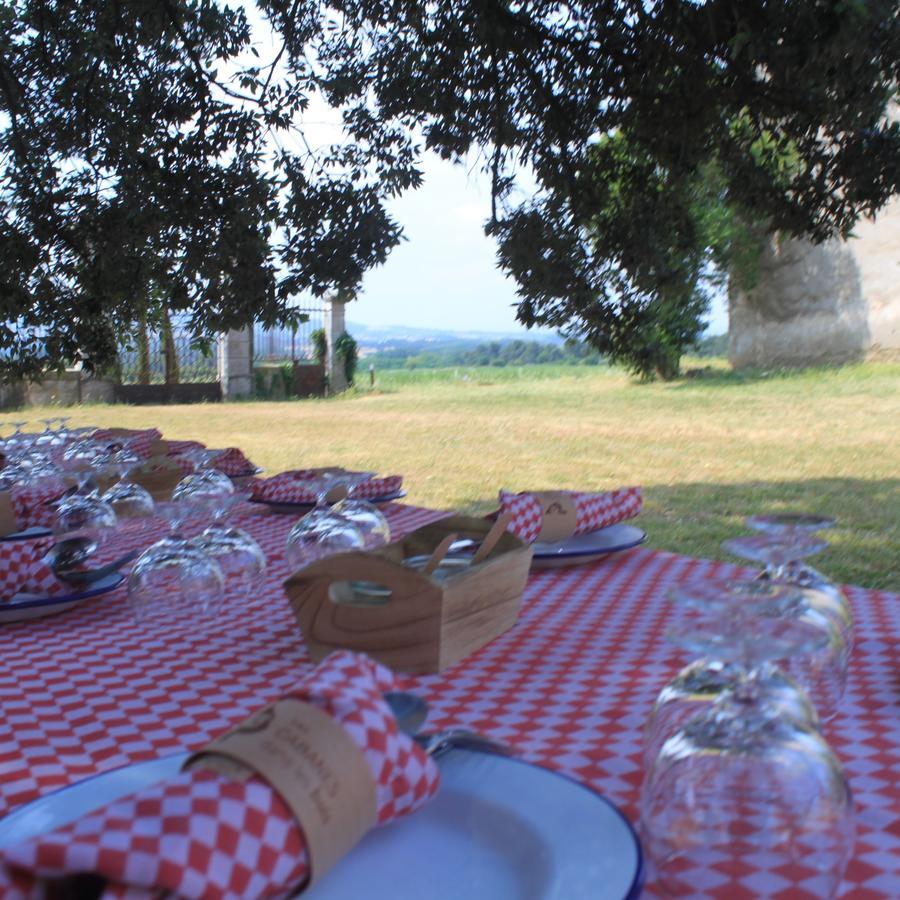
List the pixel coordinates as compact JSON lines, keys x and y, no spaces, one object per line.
{"x":569,"y":687}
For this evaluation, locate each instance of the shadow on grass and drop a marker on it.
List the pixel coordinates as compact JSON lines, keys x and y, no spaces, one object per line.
{"x":693,"y":519}
{"x":712,"y":376}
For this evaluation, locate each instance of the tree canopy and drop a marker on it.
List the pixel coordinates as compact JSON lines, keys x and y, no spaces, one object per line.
{"x":161,"y":149}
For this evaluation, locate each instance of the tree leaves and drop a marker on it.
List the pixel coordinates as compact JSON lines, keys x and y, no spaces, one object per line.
{"x":161,"y":146}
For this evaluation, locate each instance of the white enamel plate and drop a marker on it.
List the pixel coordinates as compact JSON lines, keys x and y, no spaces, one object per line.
{"x":28,"y":606}
{"x":585,"y":548}
{"x":499,"y":829}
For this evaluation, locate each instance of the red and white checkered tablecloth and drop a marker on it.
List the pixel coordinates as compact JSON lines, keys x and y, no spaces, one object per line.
{"x":570,"y":686}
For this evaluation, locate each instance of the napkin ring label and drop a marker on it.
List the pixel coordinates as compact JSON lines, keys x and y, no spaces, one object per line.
{"x":559,"y":516}
{"x":8,"y":522}
{"x":317,"y":768}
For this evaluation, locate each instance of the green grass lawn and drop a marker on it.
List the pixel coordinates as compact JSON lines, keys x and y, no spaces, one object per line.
{"x":707,"y":450}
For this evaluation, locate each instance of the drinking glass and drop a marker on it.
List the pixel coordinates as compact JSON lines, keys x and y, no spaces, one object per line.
{"x":821,"y":672}
{"x":128,"y":499}
{"x":702,"y":682}
{"x":368,"y":518}
{"x":78,"y":514}
{"x":741,"y":783}
{"x":83,"y":459}
{"x":781,"y":551}
{"x":48,"y":438}
{"x":241,"y":558}
{"x":176,"y":583}
{"x":317,"y":535}
{"x":173,"y":580}
{"x":207,"y":489}
{"x":791,"y":527}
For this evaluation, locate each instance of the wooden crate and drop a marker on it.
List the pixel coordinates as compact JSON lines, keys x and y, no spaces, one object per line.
{"x":158,"y":475}
{"x":425,"y":623}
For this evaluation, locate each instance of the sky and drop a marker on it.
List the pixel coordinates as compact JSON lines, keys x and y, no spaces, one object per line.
{"x":444,"y":276}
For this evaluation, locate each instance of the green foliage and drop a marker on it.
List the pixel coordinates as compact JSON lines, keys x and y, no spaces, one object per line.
{"x":319,"y":340}
{"x":348,"y":353}
{"x":274,"y":382}
{"x":495,"y":353}
{"x":146,"y":150}
{"x":713,"y":345}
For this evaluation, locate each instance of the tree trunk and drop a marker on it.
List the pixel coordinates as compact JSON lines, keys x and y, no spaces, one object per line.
{"x":171,"y":357}
{"x":143,"y":348}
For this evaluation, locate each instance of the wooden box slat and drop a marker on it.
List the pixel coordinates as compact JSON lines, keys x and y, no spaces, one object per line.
{"x":427,"y":624}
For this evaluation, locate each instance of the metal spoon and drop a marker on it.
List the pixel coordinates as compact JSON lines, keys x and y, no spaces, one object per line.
{"x":66,"y":556}
{"x":70,"y":553}
{"x":89,"y":576}
{"x":409,"y":710}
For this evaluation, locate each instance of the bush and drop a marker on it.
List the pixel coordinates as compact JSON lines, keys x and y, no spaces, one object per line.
{"x":348,"y":353}
{"x":320,"y":345}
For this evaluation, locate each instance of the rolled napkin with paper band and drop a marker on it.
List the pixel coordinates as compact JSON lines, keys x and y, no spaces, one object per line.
{"x":24,"y":571}
{"x":158,"y":475}
{"x":221,"y":830}
{"x":232,"y":461}
{"x":177,"y":448}
{"x":552,"y":516}
{"x":299,"y":486}
{"x":144,"y":442}
{"x":29,"y":507}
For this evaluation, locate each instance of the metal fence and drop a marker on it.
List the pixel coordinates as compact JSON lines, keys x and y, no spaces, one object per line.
{"x":282,"y":344}
{"x":191,"y":365}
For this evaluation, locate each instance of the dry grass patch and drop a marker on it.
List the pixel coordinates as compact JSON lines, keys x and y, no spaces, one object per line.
{"x":707,"y":450}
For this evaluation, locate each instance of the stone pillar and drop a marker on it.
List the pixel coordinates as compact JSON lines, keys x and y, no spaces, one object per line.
{"x":236,"y":364}
{"x":335,"y":326}
{"x":832,"y":302}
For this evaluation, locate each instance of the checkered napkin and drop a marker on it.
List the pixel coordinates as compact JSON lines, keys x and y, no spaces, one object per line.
{"x":23,"y":570}
{"x":176,"y":448}
{"x":593,"y":510}
{"x":296,"y":487}
{"x":139,"y":442}
{"x":35,"y":505}
{"x":233,"y":462}
{"x":203,"y":835}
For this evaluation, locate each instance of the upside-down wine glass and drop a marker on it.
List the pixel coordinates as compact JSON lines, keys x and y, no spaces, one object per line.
{"x":792,"y":528}
{"x":173,"y":581}
{"x":704,"y":680}
{"x":822,"y":672}
{"x":781,"y":552}
{"x":741,"y":783}
{"x":239,"y":555}
{"x":84,"y":515}
{"x":83,"y":459}
{"x":368,"y":518}
{"x":128,"y":499}
{"x":206,"y":489}
{"x":316,"y":536}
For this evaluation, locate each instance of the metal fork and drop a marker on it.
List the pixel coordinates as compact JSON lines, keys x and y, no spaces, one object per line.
{"x":439,"y":742}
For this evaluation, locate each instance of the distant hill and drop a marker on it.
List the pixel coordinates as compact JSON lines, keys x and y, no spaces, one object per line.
{"x":399,"y":337}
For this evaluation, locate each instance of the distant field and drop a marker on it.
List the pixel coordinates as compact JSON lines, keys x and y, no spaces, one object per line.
{"x":708,"y":450}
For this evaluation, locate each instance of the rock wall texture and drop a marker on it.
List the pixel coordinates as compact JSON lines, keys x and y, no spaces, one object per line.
{"x":834,"y":302}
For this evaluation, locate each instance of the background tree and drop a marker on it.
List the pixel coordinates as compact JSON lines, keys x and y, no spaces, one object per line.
{"x":145,"y":142}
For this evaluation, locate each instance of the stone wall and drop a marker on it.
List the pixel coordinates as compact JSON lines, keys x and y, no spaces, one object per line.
{"x":835,"y":302}
{"x":68,"y":389}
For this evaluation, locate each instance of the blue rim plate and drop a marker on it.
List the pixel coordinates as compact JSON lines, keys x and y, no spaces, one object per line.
{"x":31,"y":607}
{"x":36,"y":531}
{"x":281,"y":506}
{"x":256,"y":470}
{"x":583,"y":548}
{"x":498,"y":829}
